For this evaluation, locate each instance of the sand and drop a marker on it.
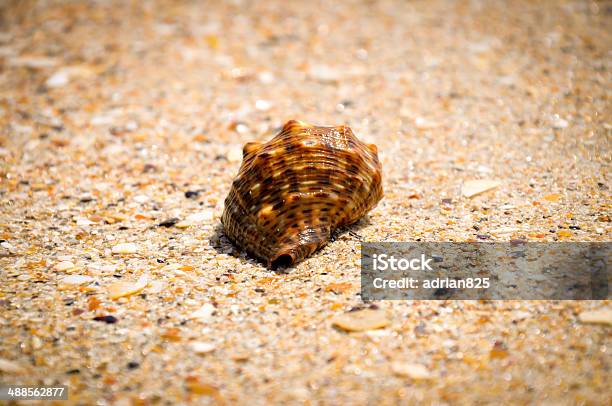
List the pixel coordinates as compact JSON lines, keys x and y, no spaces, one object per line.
{"x":116,"y":117}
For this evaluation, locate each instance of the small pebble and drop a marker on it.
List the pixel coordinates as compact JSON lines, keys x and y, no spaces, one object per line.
{"x":125,"y":248}
{"x":77,"y":279}
{"x":200,"y":347}
{"x":424,"y":124}
{"x":169,"y":222}
{"x":204,"y":313}
{"x":262,"y":105}
{"x":234,"y":155}
{"x":58,"y":79}
{"x":266,"y":77}
{"x":36,"y":343}
{"x":325,"y":73}
{"x":242,"y":128}
{"x":107,"y":319}
{"x":63,"y":76}
{"x":559,"y":123}
{"x":141,"y":199}
{"x":414,"y":371}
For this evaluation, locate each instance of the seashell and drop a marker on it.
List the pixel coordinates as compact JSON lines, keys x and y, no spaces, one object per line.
{"x":292,"y":192}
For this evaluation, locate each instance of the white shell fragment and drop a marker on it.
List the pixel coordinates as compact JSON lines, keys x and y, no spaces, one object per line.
{"x":123,"y":289}
{"x":472,"y":188}
{"x":600,"y":316}
{"x":125,"y":248}
{"x":204,"y":313}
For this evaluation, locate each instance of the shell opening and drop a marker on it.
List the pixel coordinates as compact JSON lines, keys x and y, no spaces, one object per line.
{"x":282,"y":261}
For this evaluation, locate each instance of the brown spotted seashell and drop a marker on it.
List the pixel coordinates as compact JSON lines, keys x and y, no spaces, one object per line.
{"x":292,"y":192}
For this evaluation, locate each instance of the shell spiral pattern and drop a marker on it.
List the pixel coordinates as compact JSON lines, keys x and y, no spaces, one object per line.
{"x":292,"y":192}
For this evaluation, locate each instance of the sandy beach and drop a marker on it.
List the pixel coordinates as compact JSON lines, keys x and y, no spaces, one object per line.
{"x":121,"y":129}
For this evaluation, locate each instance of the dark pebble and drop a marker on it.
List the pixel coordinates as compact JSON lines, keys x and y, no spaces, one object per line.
{"x":106,"y":319}
{"x":169,"y":222}
{"x":148,"y":168}
{"x":133,"y":365}
{"x":73,"y":371}
{"x":574,"y":227}
{"x":483,"y":236}
{"x":192,"y":194}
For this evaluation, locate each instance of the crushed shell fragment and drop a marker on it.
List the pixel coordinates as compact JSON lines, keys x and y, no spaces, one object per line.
{"x":472,"y":188}
{"x":601,"y":316}
{"x":362,"y":320}
{"x":122,"y":289}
